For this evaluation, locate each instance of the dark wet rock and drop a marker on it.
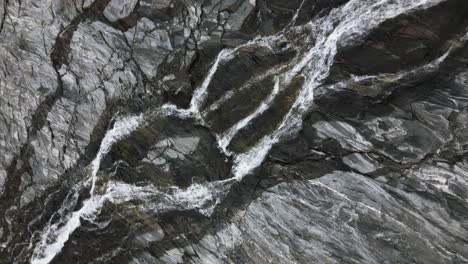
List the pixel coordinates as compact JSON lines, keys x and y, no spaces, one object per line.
{"x":269,"y":120}
{"x":250,"y":61}
{"x":221,"y":117}
{"x":273,"y":16}
{"x":255,"y":69}
{"x":406,"y":41}
{"x":169,"y":151}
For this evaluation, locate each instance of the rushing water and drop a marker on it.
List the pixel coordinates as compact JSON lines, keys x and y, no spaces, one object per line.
{"x":226,"y":138}
{"x":55,"y":235}
{"x":60,"y":231}
{"x":339,"y":28}
{"x":342,"y":26}
{"x":199,"y":95}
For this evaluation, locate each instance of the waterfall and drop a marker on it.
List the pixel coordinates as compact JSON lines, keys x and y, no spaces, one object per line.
{"x":201,"y":92}
{"x":60,"y":231}
{"x":225,"y":139}
{"x":202,"y":197}
{"x":122,"y":127}
{"x":342,"y":26}
{"x":229,"y":94}
{"x":339,"y":28}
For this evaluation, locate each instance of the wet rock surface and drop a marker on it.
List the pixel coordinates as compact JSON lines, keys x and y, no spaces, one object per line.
{"x":233,"y":131}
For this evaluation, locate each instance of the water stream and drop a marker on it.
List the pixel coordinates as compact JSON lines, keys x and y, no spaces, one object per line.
{"x":339,"y":28}
{"x":56,"y":234}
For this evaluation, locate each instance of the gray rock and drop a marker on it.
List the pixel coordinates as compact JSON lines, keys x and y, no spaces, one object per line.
{"x":149,"y":46}
{"x":118,"y":9}
{"x":328,"y":216}
{"x":149,"y":235}
{"x":362,"y":163}
{"x":3,"y":176}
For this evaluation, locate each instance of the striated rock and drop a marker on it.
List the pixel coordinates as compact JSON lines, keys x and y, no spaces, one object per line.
{"x":118,"y":9}
{"x":361,"y":163}
{"x":149,"y":46}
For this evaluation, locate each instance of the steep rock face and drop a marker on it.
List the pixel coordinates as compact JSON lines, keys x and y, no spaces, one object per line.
{"x":233,"y":131}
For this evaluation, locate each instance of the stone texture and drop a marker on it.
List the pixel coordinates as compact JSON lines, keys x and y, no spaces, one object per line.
{"x":118,"y":9}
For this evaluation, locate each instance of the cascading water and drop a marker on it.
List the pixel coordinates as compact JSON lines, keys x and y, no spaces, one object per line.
{"x":217,"y":104}
{"x":395,"y":78}
{"x":343,"y":25}
{"x":201,"y":92}
{"x":339,"y":28}
{"x":226,"y":138}
{"x":60,"y":231}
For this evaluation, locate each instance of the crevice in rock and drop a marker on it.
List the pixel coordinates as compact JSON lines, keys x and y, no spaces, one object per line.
{"x":5,"y":13}
{"x":61,"y":48}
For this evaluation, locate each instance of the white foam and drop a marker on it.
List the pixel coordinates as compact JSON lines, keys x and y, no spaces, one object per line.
{"x":202,"y":197}
{"x":173,"y":110}
{"x":465,"y":37}
{"x":217,"y":104}
{"x":343,"y":25}
{"x":201,"y":92}
{"x":57,"y":234}
{"x":395,"y":78}
{"x":122,"y":127}
{"x":199,"y":95}
{"x":225,"y":139}
{"x":47,"y":251}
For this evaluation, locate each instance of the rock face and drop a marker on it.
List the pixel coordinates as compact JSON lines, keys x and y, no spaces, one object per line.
{"x":234,"y":131}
